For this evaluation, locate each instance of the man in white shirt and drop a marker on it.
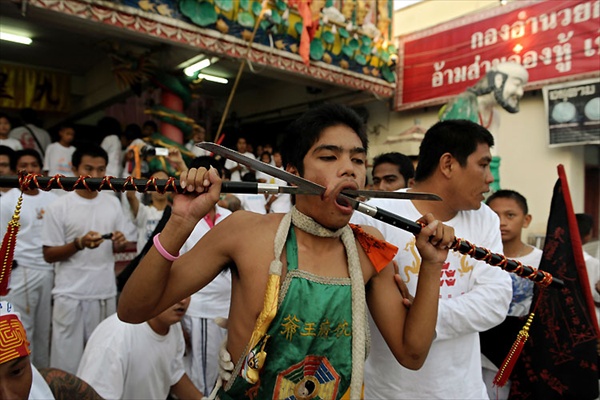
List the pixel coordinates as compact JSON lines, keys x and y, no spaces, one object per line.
{"x":76,"y":236}
{"x":454,"y":163}
{"x":7,"y":164}
{"x":30,"y":134}
{"x":212,"y":301}
{"x":139,"y":361}
{"x":276,"y":203}
{"x":237,"y":170}
{"x":32,"y":278}
{"x":110,"y":130}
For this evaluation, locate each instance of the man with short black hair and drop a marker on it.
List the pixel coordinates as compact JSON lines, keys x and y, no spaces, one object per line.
{"x":392,"y":171}
{"x":30,"y":133}
{"x":149,"y":128}
{"x":310,"y":339}
{"x":454,"y":163}
{"x":236,"y":169}
{"x":32,"y":278}
{"x":78,"y":235}
{"x":7,"y":164}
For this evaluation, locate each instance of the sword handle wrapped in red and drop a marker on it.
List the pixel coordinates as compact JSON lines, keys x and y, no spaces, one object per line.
{"x":34,"y":181}
{"x":539,"y":277}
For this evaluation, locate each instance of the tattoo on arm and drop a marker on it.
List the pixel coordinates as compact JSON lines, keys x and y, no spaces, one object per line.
{"x":66,"y":386}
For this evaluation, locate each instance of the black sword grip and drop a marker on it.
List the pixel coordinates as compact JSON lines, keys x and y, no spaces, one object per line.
{"x":397,"y":221}
{"x":239,"y":187}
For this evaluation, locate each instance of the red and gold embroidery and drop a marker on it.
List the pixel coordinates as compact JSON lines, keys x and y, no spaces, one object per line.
{"x":13,"y":340}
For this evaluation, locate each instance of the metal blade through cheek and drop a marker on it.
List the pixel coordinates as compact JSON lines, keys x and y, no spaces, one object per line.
{"x":263,"y":167}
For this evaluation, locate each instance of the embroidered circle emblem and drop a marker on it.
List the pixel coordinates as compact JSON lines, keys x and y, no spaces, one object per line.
{"x":312,"y":378}
{"x":307,"y":388}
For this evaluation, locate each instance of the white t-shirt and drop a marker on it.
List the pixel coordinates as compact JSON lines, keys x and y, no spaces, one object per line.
{"x":236,"y":176}
{"x":130,"y":229}
{"x":146,"y":220}
{"x":112,"y":145}
{"x":212,"y":300}
{"x":39,"y":388}
{"x":197,"y":151}
{"x":253,"y":202}
{"x":593,"y":270}
{"x":593,"y":248}
{"x":58,"y":160}
{"x":12,"y":143}
{"x":28,"y":249}
{"x":523,"y":288}
{"x":265,"y":178}
{"x":131,"y":361}
{"x":474,"y":297}
{"x":24,"y":135}
{"x":89,"y":273}
{"x":283,"y":203}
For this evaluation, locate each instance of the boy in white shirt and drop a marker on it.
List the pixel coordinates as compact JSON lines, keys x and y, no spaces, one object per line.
{"x":4,"y":131}
{"x":237,"y":170}
{"x":58,"y":154}
{"x":511,"y":208}
{"x":139,"y":361}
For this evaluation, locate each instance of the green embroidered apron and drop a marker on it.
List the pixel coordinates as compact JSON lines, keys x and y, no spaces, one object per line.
{"x":310,"y":345}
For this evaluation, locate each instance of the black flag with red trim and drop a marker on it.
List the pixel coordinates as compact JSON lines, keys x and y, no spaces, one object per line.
{"x":560,"y":359}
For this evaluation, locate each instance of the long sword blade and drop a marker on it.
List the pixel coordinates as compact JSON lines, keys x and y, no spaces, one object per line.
{"x":261,"y":166}
{"x":381,"y":194}
{"x":306,"y":185}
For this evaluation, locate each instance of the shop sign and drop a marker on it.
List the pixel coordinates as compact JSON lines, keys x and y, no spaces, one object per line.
{"x":555,"y":41}
{"x":573,"y":113}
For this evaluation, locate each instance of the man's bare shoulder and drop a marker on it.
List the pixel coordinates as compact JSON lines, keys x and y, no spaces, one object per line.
{"x":249,"y":228}
{"x":246,"y":219}
{"x":371,"y":230}
{"x":369,"y":270}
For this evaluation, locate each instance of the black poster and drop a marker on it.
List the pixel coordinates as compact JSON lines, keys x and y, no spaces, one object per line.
{"x":573,"y":112}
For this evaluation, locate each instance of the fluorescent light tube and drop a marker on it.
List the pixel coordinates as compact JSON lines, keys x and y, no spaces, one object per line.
{"x":15,"y":38}
{"x":192,"y":69}
{"x":212,"y":78}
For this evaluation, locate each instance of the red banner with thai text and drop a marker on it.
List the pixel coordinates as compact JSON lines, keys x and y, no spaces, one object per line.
{"x":555,"y":41}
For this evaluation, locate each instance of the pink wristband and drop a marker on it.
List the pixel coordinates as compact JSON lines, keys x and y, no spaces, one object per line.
{"x":167,"y":256}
